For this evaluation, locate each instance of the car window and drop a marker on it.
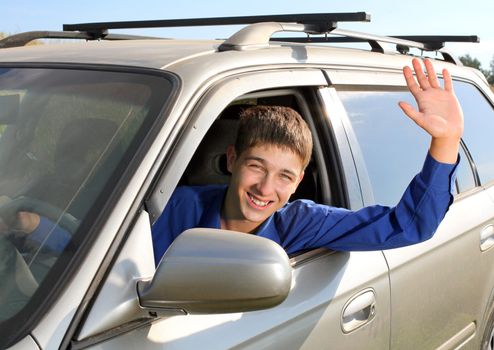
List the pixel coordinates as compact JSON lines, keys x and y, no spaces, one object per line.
{"x":479,"y":128}
{"x":64,"y":135}
{"x":393,"y":147}
{"x":207,"y":177}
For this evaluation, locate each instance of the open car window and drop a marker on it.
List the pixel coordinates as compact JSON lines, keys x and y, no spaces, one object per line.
{"x":65,"y":137}
{"x":208,"y":165}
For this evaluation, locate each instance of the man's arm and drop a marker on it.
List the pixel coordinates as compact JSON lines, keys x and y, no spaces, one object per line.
{"x":425,"y":201}
{"x":43,"y":231}
{"x":439,"y":112}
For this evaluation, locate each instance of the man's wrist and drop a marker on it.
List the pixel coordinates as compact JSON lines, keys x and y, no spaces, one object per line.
{"x":445,"y":150}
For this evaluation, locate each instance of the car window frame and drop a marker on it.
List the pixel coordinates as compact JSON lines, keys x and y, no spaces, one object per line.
{"x":205,"y":112}
{"x":467,"y":158}
{"x":176,"y":147}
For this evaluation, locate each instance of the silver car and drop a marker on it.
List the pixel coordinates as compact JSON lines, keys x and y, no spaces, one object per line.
{"x":96,"y":135}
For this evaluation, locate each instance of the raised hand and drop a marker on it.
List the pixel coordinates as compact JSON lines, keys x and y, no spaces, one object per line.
{"x":439,"y":112}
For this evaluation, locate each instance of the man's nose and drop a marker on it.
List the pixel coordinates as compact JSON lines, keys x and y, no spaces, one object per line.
{"x":266,"y":185}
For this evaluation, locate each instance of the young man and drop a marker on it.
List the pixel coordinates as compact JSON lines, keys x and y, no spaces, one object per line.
{"x":267,"y":163}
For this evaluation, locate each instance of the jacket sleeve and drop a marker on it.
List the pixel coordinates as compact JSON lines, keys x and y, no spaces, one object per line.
{"x":50,"y":235}
{"x":414,"y":219}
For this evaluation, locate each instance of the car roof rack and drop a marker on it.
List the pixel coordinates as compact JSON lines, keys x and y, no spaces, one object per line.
{"x":431,"y":42}
{"x":22,"y":39}
{"x":258,"y":33}
{"x":323,"y":21}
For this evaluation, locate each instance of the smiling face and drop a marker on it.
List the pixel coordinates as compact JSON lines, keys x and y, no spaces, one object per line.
{"x":263,"y":179}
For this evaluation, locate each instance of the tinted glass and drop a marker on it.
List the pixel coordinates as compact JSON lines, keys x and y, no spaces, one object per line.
{"x":63,"y":134}
{"x":393,"y":147}
{"x":479,"y":128}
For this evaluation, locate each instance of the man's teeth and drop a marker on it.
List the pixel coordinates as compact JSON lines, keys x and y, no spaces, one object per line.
{"x":258,"y":202}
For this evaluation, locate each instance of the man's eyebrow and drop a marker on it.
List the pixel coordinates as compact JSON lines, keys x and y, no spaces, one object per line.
{"x":263,"y":161}
{"x":259,"y":159}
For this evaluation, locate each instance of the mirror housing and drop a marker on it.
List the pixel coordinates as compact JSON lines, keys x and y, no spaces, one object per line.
{"x":218,"y":271}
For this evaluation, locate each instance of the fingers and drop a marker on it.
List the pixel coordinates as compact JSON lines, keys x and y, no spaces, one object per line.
{"x":411,"y":112}
{"x":419,"y":73}
{"x":410,"y":80}
{"x":431,"y":74}
{"x":424,"y":81}
{"x":448,"y":83}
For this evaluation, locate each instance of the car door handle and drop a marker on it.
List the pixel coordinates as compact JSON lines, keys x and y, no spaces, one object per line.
{"x":358,"y":311}
{"x":487,"y":237}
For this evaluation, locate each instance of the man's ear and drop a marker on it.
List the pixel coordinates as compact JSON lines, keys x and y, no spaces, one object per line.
{"x":231,"y":157}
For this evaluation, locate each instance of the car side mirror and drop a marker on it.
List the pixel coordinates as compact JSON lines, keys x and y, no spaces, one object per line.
{"x":218,"y":271}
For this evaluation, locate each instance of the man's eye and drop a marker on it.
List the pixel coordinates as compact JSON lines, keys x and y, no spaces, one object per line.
{"x":286,"y":177}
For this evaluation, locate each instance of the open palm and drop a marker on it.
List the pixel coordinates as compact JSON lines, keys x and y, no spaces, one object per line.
{"x":439,"y":112}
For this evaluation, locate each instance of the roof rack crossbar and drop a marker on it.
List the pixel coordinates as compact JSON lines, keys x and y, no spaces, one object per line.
{"x":430,"y":42}
{"x":426,"y":39}
{"x":378,"y":38}
{"x":437,"y":42}
{"x":308,"y":18}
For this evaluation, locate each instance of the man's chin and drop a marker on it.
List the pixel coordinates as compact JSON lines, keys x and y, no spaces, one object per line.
{"x":257,"y":217}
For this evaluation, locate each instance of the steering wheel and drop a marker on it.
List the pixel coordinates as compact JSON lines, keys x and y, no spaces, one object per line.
{"x":65,"y":220}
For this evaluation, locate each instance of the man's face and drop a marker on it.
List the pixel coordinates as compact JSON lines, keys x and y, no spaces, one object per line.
{"x":263,"y":179}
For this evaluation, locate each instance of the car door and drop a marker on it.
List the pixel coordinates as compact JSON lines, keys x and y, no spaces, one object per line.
{"x":337,"y":299}
{"x":477,"y":102}
{"x":439,"y":288}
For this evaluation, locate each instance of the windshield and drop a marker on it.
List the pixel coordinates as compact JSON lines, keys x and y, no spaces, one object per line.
{"x":64,"y":133}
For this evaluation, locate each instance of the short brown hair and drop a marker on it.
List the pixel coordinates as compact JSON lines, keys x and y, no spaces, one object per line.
{"x":275,"y":125}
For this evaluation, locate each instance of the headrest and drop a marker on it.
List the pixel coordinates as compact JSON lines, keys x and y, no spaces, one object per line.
{"x":208,"y":166}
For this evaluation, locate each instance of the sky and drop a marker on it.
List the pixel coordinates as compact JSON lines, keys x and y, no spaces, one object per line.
{"x":388,"y":17}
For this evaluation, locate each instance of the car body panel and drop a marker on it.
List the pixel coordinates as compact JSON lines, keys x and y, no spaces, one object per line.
{"x":451,"y":258}
{"x":27,"y":343}
{"x":309,"y":318}
{"x":418,"y":274}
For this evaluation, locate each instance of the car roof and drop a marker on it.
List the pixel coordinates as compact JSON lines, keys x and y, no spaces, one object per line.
{"x":169,"y":53}
{"x":139,"y":53}
{"x":250,"y":47}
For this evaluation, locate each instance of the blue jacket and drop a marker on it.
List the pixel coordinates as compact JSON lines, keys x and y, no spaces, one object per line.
{"x":303,"y":224}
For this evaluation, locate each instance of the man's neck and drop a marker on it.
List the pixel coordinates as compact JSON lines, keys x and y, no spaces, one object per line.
{"x":230,"y":220}
{"x":238,"y":225}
